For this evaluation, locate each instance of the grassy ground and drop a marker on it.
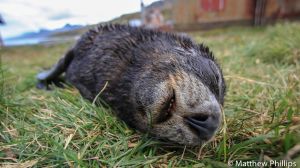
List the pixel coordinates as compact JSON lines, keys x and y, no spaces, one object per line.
{"x":61,"y":129}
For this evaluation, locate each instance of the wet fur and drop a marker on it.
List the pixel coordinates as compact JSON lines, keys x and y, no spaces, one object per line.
{"x":141,"y":68}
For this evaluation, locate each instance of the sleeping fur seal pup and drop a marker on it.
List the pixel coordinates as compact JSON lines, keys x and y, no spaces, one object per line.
{"x":156,"y":82}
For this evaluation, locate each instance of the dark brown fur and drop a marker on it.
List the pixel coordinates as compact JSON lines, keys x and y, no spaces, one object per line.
{"x":141,"y":68}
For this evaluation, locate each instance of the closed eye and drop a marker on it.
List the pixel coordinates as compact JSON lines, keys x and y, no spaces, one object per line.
{"x":166,"y":110}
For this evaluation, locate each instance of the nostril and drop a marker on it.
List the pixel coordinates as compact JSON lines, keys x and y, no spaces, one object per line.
{"x":202,"y":117}
{"x":203,"y":121}
{"x":204,"y":125}
{"x":206,"y":121}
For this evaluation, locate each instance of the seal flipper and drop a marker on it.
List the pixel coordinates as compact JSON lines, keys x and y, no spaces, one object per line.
{"x":52,"y":76}
{"x":45,"y":84}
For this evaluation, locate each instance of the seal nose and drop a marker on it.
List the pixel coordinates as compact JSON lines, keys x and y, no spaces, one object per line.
{"x":205,"y":125}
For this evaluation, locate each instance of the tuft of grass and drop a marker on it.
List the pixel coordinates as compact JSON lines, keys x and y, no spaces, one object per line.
{"x":61,"y":129}
{"x":279,"y":44}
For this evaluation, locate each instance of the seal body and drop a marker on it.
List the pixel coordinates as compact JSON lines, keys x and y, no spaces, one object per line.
{"x":156,"y":82}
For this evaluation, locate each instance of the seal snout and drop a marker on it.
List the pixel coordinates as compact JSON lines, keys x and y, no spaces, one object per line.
{"x":204,"y":125}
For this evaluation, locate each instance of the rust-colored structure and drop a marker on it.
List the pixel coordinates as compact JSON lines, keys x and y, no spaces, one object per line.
{"x":195,"y":14}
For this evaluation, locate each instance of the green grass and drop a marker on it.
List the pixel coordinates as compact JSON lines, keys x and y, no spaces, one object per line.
{"x":61,"y":129}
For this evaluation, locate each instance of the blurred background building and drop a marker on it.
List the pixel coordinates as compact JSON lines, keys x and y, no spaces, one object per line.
{"x":202,"y":14}
{"x":165,"y":15}
{"x":195,"y":14}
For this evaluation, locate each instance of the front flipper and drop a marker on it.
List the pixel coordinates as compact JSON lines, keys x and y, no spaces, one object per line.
{"x":52,"y":76}
{"x":46,"y":84}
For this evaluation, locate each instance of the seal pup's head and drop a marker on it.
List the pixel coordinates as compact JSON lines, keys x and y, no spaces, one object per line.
{"x":179,"y":96}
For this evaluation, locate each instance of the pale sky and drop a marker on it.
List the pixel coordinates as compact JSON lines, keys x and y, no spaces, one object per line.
{"x":31,"y":15}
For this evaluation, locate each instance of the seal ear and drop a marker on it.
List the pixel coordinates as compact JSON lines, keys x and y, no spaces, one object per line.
{"x":52,"y":76}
